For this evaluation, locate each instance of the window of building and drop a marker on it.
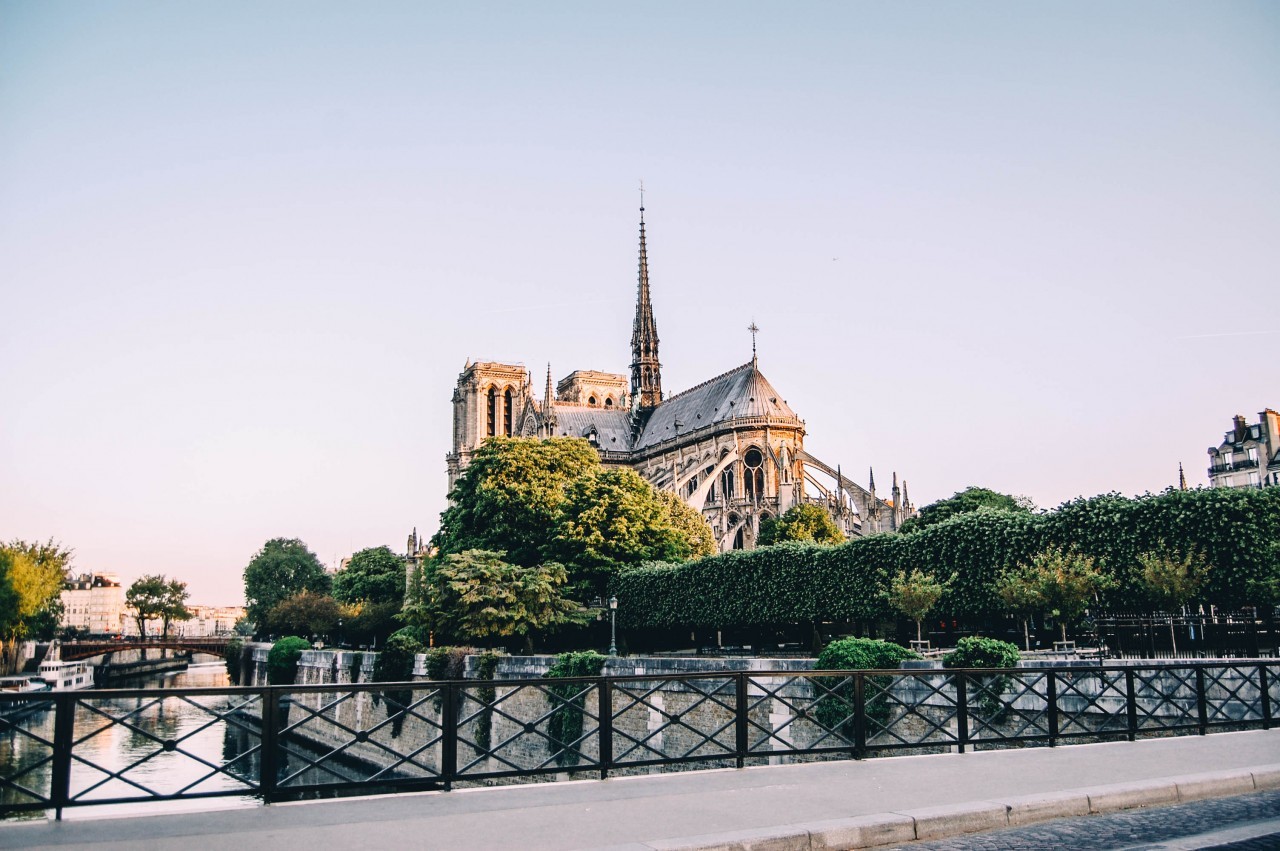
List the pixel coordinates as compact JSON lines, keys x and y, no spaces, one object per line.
{"x":506,"y":412}
{"x":493,"y":412}
{"x":1252,"y":454}
{"x":726,"y":483}
{"x":1253,"y":480}
{"x":591,"y":400}
{"x":753,"y":476}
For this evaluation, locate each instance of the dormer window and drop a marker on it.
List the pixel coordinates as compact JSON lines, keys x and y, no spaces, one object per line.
{"x":591,"y":400}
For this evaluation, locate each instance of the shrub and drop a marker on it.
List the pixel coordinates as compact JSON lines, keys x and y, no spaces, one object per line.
{"x":565,"y":724}
{"x":235,"y":647}
{"x":976,"y":652}
{"x":282,"y":660}
{"x":835,"y":708}
{"x":395,"y":664}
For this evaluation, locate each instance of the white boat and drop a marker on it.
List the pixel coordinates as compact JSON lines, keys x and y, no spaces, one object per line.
{"x":64,"y":676}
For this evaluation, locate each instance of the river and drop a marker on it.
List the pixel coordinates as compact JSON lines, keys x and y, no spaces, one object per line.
{"x":113,"y":735}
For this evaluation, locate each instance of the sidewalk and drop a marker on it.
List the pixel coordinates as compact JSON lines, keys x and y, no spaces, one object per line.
{"x":818,"y":805}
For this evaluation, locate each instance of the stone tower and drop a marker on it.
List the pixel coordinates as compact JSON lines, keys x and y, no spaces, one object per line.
{"x":646,"y":371}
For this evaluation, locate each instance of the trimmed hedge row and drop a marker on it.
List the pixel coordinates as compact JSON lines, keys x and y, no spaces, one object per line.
{"x":1238,"y":531}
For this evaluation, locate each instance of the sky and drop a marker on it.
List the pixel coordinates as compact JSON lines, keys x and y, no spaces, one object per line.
{"x":247,"y":248}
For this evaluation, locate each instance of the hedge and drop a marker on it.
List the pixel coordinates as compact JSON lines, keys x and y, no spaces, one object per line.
{"x":1238,"y":530}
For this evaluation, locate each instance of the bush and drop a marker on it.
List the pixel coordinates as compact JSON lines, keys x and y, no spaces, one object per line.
{"x":235,"y":647}
{"x":835,"y":708}
{"x":976,"y":652}
{"x":395,"y":664}
{"x":282,"y":660}
{"x":448,"y":663}
{"x":565,"y":723}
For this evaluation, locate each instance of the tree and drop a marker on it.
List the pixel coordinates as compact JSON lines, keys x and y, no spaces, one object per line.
{"x":1021,"y":591}
{"x":175,"y":605}
{"x":282,"y":568}
{"x":1171,"y":581}
{"x":476,"y":595}
{"x":804,"y":522}
{"x":916,"y":594}
{"x":33,"y":575}
{"x":510,"y":496}
{"x":149,"y":597}
{"x":614,"y":517}
{"x":305,"y":613}
{"x":962,"y":502}
{"x":1068,"y":581}
{"x":690,"y":523}
{"x":373,"y":575}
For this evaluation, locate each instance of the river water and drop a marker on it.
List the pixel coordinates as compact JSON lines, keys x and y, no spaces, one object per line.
{"x":119,"y":736}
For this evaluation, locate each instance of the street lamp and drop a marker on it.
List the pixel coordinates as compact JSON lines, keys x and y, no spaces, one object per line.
{"x":600,"y":604}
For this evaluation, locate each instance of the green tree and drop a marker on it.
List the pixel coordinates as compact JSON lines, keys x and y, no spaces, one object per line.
{"x":915,"y":594}
{"x":962,"y":502}
{"x":373,"y":575}
{"x":31,"y":581}
{"x":1021,"y":591}
{"x":282,"y":568}
{"x":476,"y":595}
{"x":1171,"y":581}
{"x":155,"y":597}
{"x":510,"y":496}
{"x":1069,"y":581}
{"x":690,"y":523}
{"x":804,"y":522}
{"x":614,"y":517}
{"x":282,"y":660}
{"x":305,"y":613}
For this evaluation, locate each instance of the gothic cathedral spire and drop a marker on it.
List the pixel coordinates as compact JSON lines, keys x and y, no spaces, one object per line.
{"x":646,"y":371}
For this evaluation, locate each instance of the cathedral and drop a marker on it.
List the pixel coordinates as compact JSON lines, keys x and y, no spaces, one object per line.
{"x":731,"y":447}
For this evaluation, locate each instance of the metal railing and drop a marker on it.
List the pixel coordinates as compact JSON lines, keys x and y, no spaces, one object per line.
{"x":274,"y":743}
{"x":1167,"y":635}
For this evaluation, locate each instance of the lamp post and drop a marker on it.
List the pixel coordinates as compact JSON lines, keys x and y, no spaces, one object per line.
{"x":613,"y":626}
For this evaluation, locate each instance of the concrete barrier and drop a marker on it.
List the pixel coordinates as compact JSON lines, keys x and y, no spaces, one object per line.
{"x":1126,"y":796}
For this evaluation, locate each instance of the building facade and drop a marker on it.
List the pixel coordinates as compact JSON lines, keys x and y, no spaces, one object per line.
{"x":1249,"y":455}
{"x":731,"y":447}
{"x":94,"y":603}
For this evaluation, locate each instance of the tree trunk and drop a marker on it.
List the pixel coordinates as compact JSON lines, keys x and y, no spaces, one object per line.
{"x":918,"y":635}
{"x":1026,"y":634}
{"x":1063,"y":624}
{"x":1173,"y":639}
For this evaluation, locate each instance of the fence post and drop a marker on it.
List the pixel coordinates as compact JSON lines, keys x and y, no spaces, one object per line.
{"x":1202,"y":710}
{"x":962,"y":710}
{"x":859,"y":715}
{"x":449,"y":735}
{"x":740,"y":718}
{"x":604,"y":691}
{"x":1051,"y":694}
{"x":269,"y":769}
{"x":63,"y":731}
{"x":1131,"y":703}
{"x":1264,"y":692}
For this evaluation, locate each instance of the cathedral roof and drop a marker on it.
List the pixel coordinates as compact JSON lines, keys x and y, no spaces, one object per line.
{"x":612,"y":425}
{"x":738,"y":393}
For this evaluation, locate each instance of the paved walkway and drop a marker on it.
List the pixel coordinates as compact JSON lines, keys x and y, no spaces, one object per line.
{"x":817,"y":805}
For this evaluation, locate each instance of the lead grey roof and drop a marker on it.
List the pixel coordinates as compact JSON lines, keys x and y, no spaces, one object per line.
{"x":740,"y":392}
{"x":612,"y":425}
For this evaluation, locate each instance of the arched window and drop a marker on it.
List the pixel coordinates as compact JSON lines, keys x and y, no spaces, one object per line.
{"x":506,"y":412}
{"x":493,"y":412}
{"x":726,"y":483}
{"x":738,"y":542}
{"x":608,"y":401}
{"x":691,"y":488}
{"x":753,"y":476}
{"x":591,"y":400}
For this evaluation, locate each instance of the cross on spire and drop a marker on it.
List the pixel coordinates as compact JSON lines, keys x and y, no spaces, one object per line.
{"x":754,"y":330}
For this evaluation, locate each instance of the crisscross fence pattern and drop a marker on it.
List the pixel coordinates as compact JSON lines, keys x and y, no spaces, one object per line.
{"x":73,"y":749}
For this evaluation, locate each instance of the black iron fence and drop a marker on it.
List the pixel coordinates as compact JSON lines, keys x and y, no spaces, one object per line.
{"x":1169,"y":636}
{"x":279,"y":742}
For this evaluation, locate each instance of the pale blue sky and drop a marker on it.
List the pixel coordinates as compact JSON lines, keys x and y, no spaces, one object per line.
{"x":245,"y":248}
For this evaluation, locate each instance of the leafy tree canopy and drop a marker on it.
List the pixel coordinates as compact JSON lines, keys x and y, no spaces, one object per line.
{"x":155,"y":597}
{"x":282,"y":568}
{"x":970,"y":499}
{"x":541,"y":501}
{"x":373,"y":575}
{"x":305,"y":613}
{"x":477,"y":595}
{"x":510,"y":496}
{"x":614,"y":517}
{"x":804,"y":522}
{"x":31,"y":581}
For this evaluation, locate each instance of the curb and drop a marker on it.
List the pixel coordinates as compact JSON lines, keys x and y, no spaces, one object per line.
{"x":869,"y":831}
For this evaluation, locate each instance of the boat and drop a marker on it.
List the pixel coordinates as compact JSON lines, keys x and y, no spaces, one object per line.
{"x":64,"y":676}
